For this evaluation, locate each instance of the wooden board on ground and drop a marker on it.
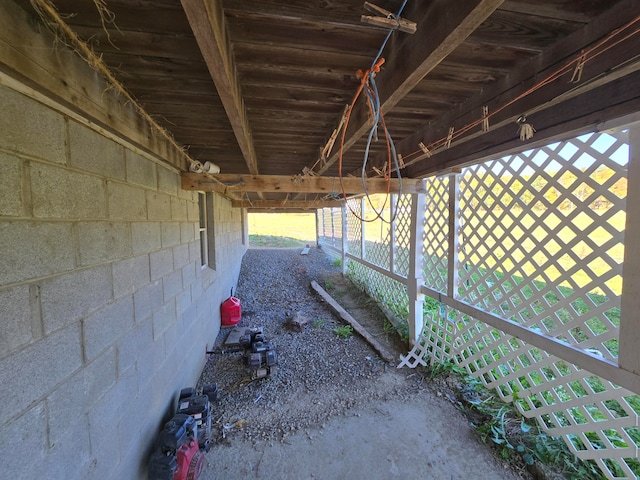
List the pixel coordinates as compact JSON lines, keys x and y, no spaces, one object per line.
{"x":305,"y":251}
{"x":386,"y":356}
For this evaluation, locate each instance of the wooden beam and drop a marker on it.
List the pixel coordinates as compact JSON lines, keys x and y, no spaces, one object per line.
{"x":282,"y":204}
{"x":630,"y":303}
{"x":602,"y":69}
{"x":440,"y":30}
{"x":377,"y":346}
{"x":34,"y":63}
{"x":206,"y":18}
{"x":572,"y":117}
{"x":295,"y":184}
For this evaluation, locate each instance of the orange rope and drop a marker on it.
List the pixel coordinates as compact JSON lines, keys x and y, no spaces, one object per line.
{"x":364,"y":83}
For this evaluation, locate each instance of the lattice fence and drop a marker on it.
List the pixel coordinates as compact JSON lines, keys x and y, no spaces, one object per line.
{"x":436,"y":234}
{"x":539,"y":241}
{"x":386,"y":245}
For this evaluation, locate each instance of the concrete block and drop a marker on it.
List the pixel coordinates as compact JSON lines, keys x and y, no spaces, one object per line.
{"x":126,"y":202}
{"x":170,"y":234}
{"x":193,"y":210}
{"x":161,"y":263}
{"x":168,"y":181}
{"x":180,"y":256}
{"x":164,"y":318}
{"x":68,"y":403}
{"x":183,"y":302}
{"x":158,"y":206}
{"x":132,"y":431}
{"x":23,"y":444}
{"x":69,"y":459}
{"x":102,"y":242}
{"x":188,"y":233}
{"x":102,"y":328}
{"x":31,"y":128}
{"x":15,"y":319}
{"x":147,"y":300}
{"x":67,"y":298}
{"x":140,"y":170}
{"x":92,"y":152}
{"x":103,"y":426}
{"x":130,"y":275}
{"x":130,"y":345}
{"x":11,"y":195}
{"x":34,"y":371}
{"x":172,"y":285}
{"x":194,"y":252}
{"x":178,"y":209}
{"x":60,"y":193}
{"x":149,"y":360}
{"x":189,"y":274}
{"x":145,"y":237}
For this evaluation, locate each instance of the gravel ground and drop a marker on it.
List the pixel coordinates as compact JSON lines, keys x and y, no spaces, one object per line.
{"x":320,"y":375}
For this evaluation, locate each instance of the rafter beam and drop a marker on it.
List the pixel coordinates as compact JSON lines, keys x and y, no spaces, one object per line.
{"x":602,"y":93}
{"x":206,"y":18}
{"x":440,"y":30}
{"x":288,"y":184}
{"x":284,"y":205}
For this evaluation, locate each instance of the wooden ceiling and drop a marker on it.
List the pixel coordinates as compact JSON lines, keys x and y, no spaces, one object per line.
{"x":259,"y":86}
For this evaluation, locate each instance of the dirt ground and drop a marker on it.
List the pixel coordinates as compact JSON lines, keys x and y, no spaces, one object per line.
{"x":386,"y":423}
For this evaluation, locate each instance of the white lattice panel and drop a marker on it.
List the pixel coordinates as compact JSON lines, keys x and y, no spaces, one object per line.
{"x":377,"y":230}
{"x":541,"y":243}
{"x":598,"y":420}
{"x":543,"y":239}
{"x":436,"y":234}
{"x":354,"y":227}
{"x":390,"y":294}
{"x":402,"y":234}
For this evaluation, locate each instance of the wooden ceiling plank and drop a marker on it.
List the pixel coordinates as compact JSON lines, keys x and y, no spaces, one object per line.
{"x":296,"y":184}
{"x":530,"y":73}
{"x":440,"y":31}
{"x":207,"y":21}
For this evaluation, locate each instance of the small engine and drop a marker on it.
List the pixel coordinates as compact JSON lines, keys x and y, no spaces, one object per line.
{"x":260,"y":355}
{"x":179,"y":456}
{"x":199,"y":407}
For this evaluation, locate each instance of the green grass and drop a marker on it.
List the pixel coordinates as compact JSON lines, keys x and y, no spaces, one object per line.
{"x":298,"y":226}
{"x":275,"y":242}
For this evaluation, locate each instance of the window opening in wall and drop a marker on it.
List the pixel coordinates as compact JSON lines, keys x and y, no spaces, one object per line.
{"x":206,"y":230}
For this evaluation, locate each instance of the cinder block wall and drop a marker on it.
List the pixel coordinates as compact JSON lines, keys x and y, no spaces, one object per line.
{"x":104,"y":308}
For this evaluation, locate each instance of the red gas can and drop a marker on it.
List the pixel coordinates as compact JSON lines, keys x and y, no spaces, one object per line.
{"x":230,"y":311}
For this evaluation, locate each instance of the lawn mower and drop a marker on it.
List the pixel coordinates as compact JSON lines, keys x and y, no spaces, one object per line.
{"x":183,"y":439}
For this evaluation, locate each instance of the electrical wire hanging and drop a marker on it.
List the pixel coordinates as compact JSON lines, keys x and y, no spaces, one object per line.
{"x":369,"y":87}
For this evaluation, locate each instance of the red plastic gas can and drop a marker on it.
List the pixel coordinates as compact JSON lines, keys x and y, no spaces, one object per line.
{"x":230,"y":311}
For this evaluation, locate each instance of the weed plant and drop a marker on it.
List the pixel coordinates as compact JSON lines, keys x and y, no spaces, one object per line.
{"x":344,"y":332}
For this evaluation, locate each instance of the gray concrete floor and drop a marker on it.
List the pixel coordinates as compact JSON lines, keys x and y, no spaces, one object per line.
{"x":385,"y":440}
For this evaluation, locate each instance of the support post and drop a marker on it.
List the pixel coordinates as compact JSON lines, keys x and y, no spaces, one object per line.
{"x":345,"y":239}
{"x":362,"y":232}
{"x":454,"y":238}
{"x":628,"y":358}
{"x":415,"y":279}
{"x":392,"y":233}
{"x":317,"y":229}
